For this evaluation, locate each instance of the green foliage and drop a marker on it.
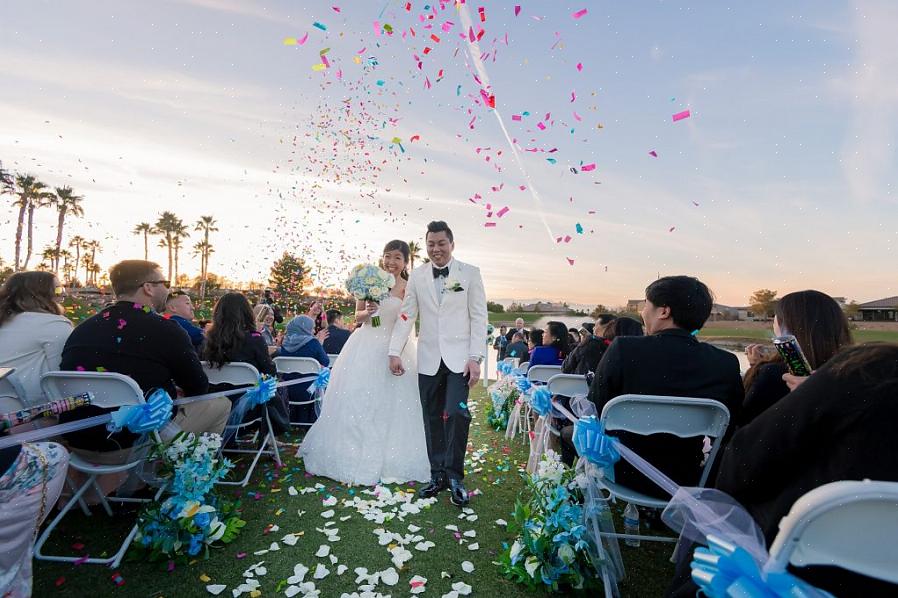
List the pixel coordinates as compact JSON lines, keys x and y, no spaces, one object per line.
{"x":286,"y":278}
{"x":496,"y":308}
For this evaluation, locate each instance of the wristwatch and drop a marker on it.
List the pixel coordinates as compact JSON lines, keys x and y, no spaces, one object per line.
{"x":476,"y":358}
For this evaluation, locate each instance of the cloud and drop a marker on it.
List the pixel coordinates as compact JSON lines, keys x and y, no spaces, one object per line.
{"x":246,"y":8}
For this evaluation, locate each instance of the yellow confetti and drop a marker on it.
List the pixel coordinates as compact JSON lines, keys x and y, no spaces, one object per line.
{"x":205,"y":578}
{"x":319,"y":67}
{"x":357,"y":60}
{"x":289,"y":41}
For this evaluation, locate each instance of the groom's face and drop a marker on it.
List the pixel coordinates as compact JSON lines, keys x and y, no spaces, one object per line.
{"x":439,"y":248}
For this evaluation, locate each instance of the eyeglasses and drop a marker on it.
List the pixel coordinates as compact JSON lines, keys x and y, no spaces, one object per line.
{"x":165,"y":283}
{"x":59,"y":291}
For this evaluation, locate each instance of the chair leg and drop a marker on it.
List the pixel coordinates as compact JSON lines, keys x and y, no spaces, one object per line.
{"x":102,"y":498}
{"x":272,"y":438}
{"x":76,"y":498}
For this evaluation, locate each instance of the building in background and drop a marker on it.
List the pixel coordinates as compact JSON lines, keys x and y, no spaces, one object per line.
{"x":881,"y":310}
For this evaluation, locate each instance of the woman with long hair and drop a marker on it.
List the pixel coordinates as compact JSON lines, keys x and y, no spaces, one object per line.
{"x":821,"y":329}
{"x":33,"y":329}
{"x":233,"y":336}
{"x":554,"y":348}
{"x":263,"y":316}
{"x":370,"y":428}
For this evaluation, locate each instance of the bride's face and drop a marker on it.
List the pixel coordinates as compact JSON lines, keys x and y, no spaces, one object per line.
{"x":394,"y":262}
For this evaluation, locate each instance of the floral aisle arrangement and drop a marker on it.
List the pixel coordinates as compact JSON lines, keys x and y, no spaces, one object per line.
{"x":193,"y":516}
{"x":551,"y":550}
{"x":503,"y":394}
{"x":367,"y":282}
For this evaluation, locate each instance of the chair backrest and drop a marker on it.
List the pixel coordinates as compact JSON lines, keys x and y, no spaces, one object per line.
{"x":236,"y":373}
{"x":109,"y":389}
{"x":333,"y":358}
{"x":568,"y":385}
{"x":681,"y":416}
{"x":12,"y":395}
{"x":542,"y":373}
{"x":524,"y":366}
{"x":297,"y":365}
{"x":849,"y":524}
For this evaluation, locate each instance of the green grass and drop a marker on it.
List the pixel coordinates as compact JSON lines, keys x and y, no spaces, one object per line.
{"x":497,"y":477}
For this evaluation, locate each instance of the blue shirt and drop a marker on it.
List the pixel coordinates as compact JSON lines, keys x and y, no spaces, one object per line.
{"x":194,"y":332}
{"x":545,"y":355}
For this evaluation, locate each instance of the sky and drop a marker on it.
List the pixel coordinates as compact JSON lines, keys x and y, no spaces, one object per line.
{"x":783,"y":176}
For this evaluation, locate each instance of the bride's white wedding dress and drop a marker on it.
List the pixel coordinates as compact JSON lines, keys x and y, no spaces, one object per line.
{"x":370,"y":429}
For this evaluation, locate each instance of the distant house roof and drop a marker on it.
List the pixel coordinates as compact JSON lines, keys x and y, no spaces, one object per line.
{"x":887,"y":303}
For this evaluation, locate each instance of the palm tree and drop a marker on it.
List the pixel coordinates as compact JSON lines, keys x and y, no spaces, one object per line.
{"x":145,"y":229}
{"x":414,"y":252}
{"x":77,"y":243}
{"x":66,"y":202}
{"x":94,"y":271}
{"x":179,"y":232}
{"x":165,"y":226}
{"x":85,"y":261}
{"x":7,"y":182}
{"x":93,"y":246}
{"x":66,"y":255}
{"x":207,"y":225}
{"x":31,"y":195}
{"x":50,"y":255}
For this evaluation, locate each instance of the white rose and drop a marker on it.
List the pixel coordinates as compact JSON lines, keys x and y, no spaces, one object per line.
{"x":531,"y":565}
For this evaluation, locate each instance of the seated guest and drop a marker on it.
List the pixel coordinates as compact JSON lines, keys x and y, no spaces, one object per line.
{"x":337,"y":335}
{"x":584,"y":357}
{"x":554,"y":348}
{"x":263,"y":318}
{"x":33,"y":330}
{"x":622,"y":326}
{"x":31,"y":479}
{"x":821,"y":328}
{"x":573,"y":337}
{"x":534,"y":340}
{"x":268,"y":299}
{"x":517,"y":348}
{"x":602,"y":322}
{"x":672,"y":362}
{"x":233,"y":337}
{"x":179,"y":307}
{"x":518,"y":327}
{"x":131,"y":338}
{"x":501,"y":342}
{"x":300,"y":342}
{"x":838,"y":425}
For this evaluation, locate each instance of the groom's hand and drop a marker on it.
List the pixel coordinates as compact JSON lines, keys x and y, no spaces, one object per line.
{"x":472,"y":371}
{"x":396,"y":365}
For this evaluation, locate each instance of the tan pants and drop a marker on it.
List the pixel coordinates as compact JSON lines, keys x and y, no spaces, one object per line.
{"x":203,"y":416}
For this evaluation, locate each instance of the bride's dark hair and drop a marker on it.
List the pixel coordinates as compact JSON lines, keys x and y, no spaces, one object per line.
{"x":401,"y":247}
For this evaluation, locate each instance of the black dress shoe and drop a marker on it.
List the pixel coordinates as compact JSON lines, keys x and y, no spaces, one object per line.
{"x":457,"y":493}
{"x":434,"y":487}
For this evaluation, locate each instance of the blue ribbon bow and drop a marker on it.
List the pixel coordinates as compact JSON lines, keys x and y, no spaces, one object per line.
{"x":321,"y":382}
{"x":593,"y":444}
{"x":149,"y":416}
{"x":724,"y":570}
{"x":541,"y":400}
{"x":505,"y":368}
{"x":262,"y":392}
{"x":522,"y":383}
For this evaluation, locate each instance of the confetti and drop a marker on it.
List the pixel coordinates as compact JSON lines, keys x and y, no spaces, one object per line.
{"x":681,"y":115}
{"x":517,"y":9}
{"x":653,"y":153}
{"x":318,"y":25}
{"x":580,"y":13}
{"x":588,"y":167}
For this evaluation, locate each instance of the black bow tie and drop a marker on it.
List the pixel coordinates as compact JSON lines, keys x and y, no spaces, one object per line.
{"x":444,"y":272}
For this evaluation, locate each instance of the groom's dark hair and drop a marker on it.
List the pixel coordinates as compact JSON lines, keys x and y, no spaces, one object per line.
{"x":439,"y":226}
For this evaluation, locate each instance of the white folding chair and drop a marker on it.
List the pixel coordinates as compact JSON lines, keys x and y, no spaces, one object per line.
{"x":239,"y":373}
{"x":852,"y":525}
{"x":12,"y":395}
{"x":524,"y":366}
{"x":540,"y":374}
{"x":299,"y":365}
{"x":652,"y":414}
{"x":567,"y":385}
{"x":110,"y":390}
{"x":332,"y":357}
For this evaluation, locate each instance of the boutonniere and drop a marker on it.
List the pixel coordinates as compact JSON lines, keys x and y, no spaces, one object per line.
{"x":453,"y":286}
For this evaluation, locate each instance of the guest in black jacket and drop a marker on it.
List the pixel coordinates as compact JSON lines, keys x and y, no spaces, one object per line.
{"x":821,"y":328}
{"x":337,"y":335}
{"x":517,"y":348}
{"x":585,"y":356}
{"x":672,"y":362}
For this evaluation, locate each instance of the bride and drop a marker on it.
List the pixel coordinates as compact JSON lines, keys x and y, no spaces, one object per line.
{"x":371,"y":428}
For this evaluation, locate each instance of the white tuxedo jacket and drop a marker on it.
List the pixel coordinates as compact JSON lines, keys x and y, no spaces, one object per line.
{"x":452,"y":331}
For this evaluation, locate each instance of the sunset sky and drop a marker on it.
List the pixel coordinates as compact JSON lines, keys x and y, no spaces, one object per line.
{"x":784,"y":176}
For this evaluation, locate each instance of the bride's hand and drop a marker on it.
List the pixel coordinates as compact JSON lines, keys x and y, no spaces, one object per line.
{"x":371,"y":306}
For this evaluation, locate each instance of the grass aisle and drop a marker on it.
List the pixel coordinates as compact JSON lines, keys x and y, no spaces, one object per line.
{"x":271,"y":513}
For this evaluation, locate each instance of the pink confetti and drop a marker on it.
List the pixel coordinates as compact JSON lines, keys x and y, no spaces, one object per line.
{"x":653,"y":154}
{"x":588,"y":167}
{"x":522,"y":187}
{"x":541,"y":126}
{"x":517,"y":9}
{"x":573,"y":96}
{"x":681,"y":115}
{"x":570,"y":261}
{"x":502,"y":212}
{"x":672,"y":229}
{"x":580,"y":66}
{"x":515,"y":117}
{"x":489,"y":224}
{"x":303,"y":39}
{"x":577,"y":116}
{"x":580,"y":13}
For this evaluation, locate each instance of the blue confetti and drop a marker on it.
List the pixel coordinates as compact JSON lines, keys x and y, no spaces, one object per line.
{"x":321,"y":26}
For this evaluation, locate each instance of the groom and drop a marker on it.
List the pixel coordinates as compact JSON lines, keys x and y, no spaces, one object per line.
{"x":450,"y":297}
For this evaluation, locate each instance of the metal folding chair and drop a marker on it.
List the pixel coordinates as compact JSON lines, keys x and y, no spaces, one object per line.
{"x":304,"y":366}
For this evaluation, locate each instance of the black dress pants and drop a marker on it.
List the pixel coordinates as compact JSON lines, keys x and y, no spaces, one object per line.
{"x":444,"y":401}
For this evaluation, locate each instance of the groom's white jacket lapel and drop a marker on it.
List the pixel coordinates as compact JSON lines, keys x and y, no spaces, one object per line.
{"x":451,"y":331}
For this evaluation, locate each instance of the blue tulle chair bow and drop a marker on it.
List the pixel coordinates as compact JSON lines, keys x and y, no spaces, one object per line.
{"x":504,"y":368}
{"x":147,"y":417}
{"x":321,"y":381}
{"x":522,"y":383}
{"x":593,"y":444}
{"x":262,"y":392}
{"x":541,"y":400}
{"x":723,"y":570}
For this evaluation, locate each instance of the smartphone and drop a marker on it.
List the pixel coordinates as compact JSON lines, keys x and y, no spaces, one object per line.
{"x":791,"y":353}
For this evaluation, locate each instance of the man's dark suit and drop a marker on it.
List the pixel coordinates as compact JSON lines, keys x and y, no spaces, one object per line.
{"x":673,"y":363}
{"x":335,"y":340}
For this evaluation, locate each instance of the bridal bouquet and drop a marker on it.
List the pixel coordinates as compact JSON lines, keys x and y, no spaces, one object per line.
{"x":193,"y":516}
{"x":551,"y":550}
{"x":367,"y":282}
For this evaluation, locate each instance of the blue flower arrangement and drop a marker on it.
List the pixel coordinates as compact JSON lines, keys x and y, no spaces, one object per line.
{"x":551,"y":550}
{"x":193,"y":516}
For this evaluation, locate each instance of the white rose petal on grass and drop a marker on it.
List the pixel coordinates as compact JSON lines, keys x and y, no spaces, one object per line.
{"x":462,"y":588}
{"x":216,"y":588}
{"x":323,"y":551}
{"x":502,"y":522}
{"x":321,"y":572}
{"x":329,"y":502}
{"x":467,"y":566}
{"x":292,"y":491}
{"x":342,"y":569}
{"x":299,"y":574}
{"x":424,"y":546}
{"x":474,"y":546}
{"x":290,"y":539}
{"x":274,"y":546}
{"x":291,"y":591}
{"x":414,"y":529}
{"x":389,"y":576}
{"x":328,"y":514}
{"x":470,"y":533}
{"x":333,"y":559}
{"x":417,"y":584}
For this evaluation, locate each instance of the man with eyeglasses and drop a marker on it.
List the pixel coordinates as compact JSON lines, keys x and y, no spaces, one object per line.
{"x":131,"y":338}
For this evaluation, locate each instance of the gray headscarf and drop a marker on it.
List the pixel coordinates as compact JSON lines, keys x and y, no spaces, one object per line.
{"x":299,"y":333}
